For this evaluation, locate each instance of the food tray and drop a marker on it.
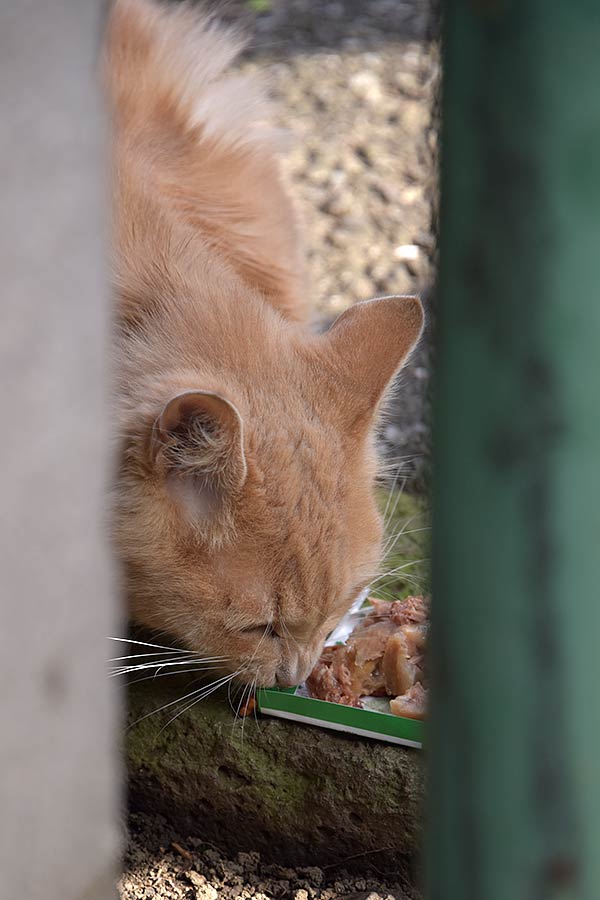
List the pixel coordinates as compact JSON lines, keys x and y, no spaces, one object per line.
{"x":374,"y":722}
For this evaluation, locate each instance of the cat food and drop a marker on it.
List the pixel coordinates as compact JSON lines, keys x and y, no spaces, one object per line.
{"x":383,"y":657}
{"x":247,"y":708}
{"x":412,"y":704}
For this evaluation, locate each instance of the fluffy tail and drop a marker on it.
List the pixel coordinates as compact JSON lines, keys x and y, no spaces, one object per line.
{"x":195,"y":141}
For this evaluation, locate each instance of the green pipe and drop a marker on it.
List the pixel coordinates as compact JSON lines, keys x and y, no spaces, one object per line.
{"x":514,"y":738}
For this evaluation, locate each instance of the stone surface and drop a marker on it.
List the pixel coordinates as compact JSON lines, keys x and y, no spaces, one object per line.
{"x":297,"y":794}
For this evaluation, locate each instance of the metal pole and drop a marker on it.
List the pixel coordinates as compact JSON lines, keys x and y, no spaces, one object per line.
{"x":514,"y":807}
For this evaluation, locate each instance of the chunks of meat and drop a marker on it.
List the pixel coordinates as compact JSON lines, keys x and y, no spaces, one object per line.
{"x":412,"y":611}
{"x":382,"y":657}
{"x":331,"y":679}
{"x":352,"y":670}
{"x":400,"y":669}
{"x":412,"y":704}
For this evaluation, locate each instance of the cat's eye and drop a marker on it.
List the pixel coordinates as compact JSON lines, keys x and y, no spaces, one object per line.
{"x":265,"y":630}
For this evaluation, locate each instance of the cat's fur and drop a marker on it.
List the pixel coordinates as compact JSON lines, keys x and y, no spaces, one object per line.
{"x":244,"y":510}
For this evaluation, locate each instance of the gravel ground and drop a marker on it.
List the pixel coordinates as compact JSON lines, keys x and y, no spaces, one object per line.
{"x":356,"y":83}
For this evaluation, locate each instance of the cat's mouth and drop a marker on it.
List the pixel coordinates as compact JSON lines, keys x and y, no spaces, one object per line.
{"x":288,"y":672}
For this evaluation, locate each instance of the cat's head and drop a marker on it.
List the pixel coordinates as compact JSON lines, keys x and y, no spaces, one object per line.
{"x":245,"y":513}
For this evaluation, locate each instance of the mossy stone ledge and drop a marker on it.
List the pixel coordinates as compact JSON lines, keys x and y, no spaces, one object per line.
{"x":299,"y":795}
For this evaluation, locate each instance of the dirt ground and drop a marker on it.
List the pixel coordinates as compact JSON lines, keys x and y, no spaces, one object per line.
{"x":162,"y":866}
{"x":356,"y":82}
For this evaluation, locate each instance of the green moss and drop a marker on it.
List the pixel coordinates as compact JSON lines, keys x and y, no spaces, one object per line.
{"x":203,"y":744}
{"x":290,"y":791}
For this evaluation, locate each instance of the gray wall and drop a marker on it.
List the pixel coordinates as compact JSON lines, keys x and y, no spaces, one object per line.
{"x":57,"y":759}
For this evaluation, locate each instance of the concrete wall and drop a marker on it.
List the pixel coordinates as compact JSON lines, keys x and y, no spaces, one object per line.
{"x":57,"y":760}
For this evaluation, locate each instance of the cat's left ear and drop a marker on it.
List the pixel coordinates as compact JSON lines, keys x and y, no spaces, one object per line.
{"x":198,"y":443}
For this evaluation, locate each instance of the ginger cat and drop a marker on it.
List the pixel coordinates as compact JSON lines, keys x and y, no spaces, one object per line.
{"x":244,"y":511}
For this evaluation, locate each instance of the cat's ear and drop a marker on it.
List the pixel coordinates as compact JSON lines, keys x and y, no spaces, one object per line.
{"x":368,"y":344}
{"x":198,"y":445}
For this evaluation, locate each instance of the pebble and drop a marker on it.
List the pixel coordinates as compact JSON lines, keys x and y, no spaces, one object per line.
{"x":407,"y":252}
{"x":204,"y":890}
{"x":338,"y":204}
{"x":338,"y":303}
{"x":366,"y":84}
{"x":408,"y":84}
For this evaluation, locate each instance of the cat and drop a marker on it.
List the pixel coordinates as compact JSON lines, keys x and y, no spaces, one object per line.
{"x":244,"y":512}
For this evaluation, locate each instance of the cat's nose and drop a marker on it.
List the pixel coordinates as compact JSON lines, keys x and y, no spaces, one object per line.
{"x":286,"y":677}
{"x":293,"y":671}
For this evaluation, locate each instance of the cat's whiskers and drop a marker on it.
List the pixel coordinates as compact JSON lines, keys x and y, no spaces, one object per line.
{"x":198,"y":669}
{"x":116,"y":671}
{"x":146,"y":644}
{"x":248,"y":691}
{"x":238,"y":708}
{"x":386,"y":595}
{"x":201,"y":690}
{"x":386,"y":518}
{"x":256,"y":704}
{"x":399,"y":491}
{"x":393,"y":539}
{"x":289,"y":635}
{"x":416,"y":583}
{"x":399,"y":494}
{"x":251,"y":694}
{"x":387,"y":472}
{"x":407,"y":565}
{"x":405,"y":576}
{"x":245,"y":669}
{"x":236,"y":688}
{"x":161,"y":653}
{"x":164,"y":706}
{"x":397,"y":460}
{"x":204,"y":691}
{"x":160,"y":664}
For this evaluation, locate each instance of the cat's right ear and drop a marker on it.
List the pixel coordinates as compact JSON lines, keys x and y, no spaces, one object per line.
{"x":198,"y":447}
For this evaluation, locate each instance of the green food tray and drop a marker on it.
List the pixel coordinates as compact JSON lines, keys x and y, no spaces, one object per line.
{"x":286,"y":703}
{"x":376,"y":722}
